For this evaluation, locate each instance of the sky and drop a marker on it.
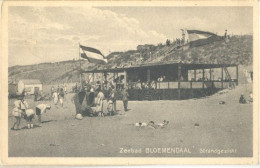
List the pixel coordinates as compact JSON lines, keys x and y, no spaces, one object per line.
{"x":51,"y":34}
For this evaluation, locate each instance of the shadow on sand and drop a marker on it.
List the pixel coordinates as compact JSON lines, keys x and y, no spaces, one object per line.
{"x":48,"y":121}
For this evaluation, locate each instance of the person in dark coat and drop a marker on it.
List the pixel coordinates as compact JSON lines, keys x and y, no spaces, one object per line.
{"x":242,"y":99}
{"x":36,"y":93}
{"x":125,"y":98}
{"x":76,"y":101}
{"x":113,"y":97}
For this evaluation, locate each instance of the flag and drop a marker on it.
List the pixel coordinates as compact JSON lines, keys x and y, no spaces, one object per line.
{"x":92,"y":55}
{"x":198,"y":38}
{"x":197,"y":34}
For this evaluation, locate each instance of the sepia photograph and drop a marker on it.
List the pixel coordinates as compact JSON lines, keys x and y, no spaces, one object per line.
{"x":118,"y":80}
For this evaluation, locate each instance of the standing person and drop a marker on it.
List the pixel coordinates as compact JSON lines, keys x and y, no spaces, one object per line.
{"x":55,"y":98}
{"x":36,"y":93}
{"x":113,"y":95}
{"x":23,"y":105}
{"x":52,"y":91}
{"x":99,"y":102}
{"x":41,"y":108}
{"x":61,"y":96}
{"x":65,"y":91}
{"x":75,"y":100}
{"x":125,"y":98}
{"x":17,"y":113}
{"x":58,"y":88}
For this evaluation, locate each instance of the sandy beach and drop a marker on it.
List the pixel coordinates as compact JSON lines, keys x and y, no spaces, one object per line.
{"x":197,"y":128}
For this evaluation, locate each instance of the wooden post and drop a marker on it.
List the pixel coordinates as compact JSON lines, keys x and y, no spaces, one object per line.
{"x":179,"y":83}
{"x":203,"y":78}
{"x":80,"y":73}
{"x":125,"y":81}
{"x":236,"y":74}
{"x":210,"y":75}
{"x":222,"y":77}
{"x":102,"y":81}
{"x":191,"y":89}
{"x":148,"y":75}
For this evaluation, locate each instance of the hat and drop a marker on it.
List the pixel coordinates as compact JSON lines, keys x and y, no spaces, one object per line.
{"x":79,"y":116}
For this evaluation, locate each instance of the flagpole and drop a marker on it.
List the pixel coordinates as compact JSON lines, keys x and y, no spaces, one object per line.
{"x":80,"y":75}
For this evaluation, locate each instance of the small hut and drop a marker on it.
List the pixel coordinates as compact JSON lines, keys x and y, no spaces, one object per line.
{"x":29,"y":86}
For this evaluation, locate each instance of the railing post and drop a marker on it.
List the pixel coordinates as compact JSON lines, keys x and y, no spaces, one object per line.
{"x":195,"y":74}
{"x":102,"y":79}
{"x":222,"y":77}
{"x":210,"y":75}
{"x":191,"y":89}
{"x":125,"y":81}
{"x":236,"y":74}
{"x":203,"y":78}
{"x":148,"y":75}
{"x":179,"y":83}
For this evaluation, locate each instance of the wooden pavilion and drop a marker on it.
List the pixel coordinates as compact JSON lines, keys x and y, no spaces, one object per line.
{"x":170,"y":81}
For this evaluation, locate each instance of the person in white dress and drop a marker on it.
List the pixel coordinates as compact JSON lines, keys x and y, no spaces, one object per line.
{"x":55,"y":97}
{"x":99,"y":102}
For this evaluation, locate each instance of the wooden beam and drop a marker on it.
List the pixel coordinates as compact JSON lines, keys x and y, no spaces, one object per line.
{"x":125,"y":81}
{"x":102,"y":81}
{"x":179,"y":83}
{"x":148,"y":75}
{"x":191,"y":89}
{"x":195,"y":74}
{"x":210,"y":74}
{"x":203,"y":78}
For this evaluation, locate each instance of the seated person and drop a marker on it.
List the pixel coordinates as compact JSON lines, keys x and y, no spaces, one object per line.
{"x":250,"y":97}
{"x":242,"y":99}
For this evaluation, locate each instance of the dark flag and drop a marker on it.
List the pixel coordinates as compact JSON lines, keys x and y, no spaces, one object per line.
{"x":199,"y":38}
{"x":92,"y":55}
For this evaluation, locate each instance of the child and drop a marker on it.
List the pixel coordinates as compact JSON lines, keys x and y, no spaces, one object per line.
{"x":29,"y":115}
{"x":41,"y":108}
